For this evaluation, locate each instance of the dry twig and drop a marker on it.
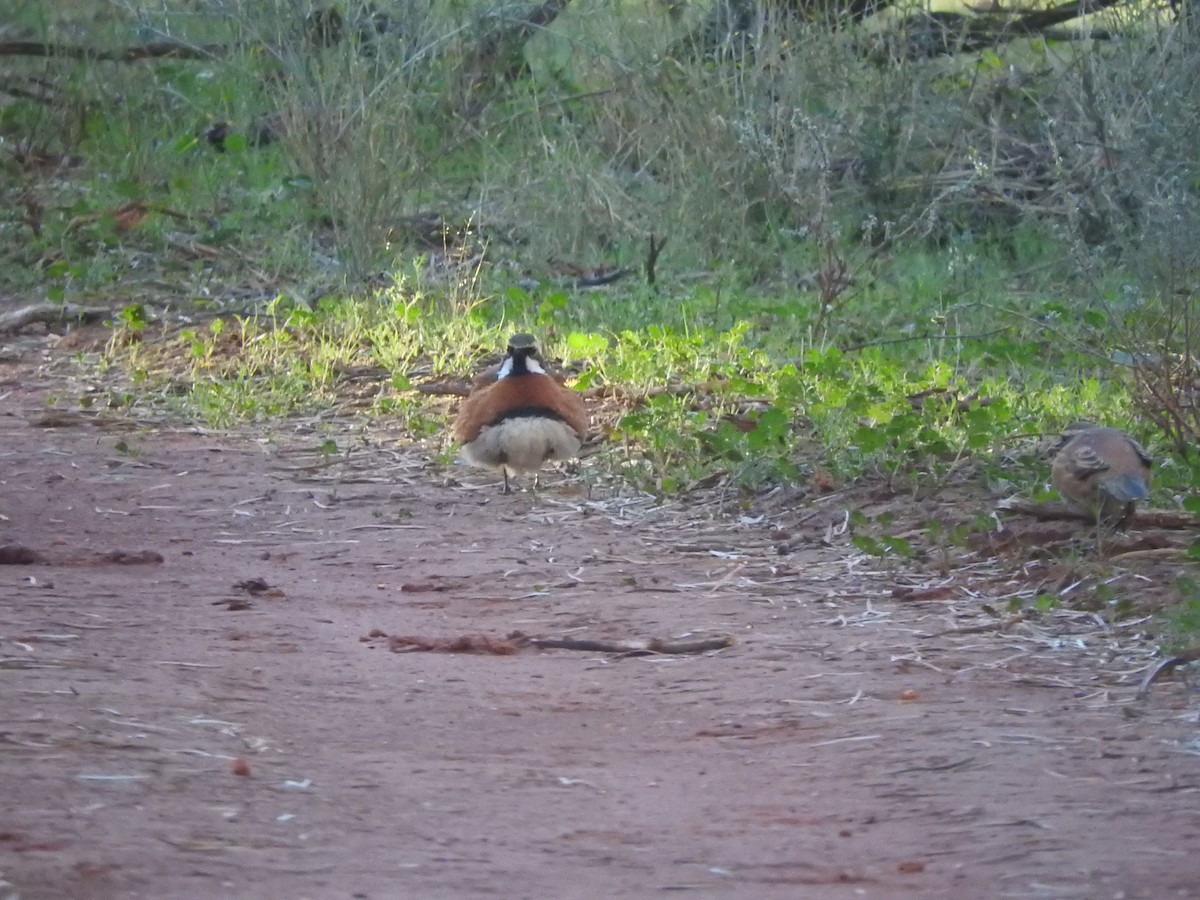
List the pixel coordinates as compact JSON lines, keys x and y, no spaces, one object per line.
{"x":1145,"y":518}
{"x":1191,"y":655}
{"x":634,"y":648}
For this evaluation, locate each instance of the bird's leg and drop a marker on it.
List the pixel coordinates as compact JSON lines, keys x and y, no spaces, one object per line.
{"x":536,"y":481}
{"x":504,"y":472}
{"x":1105,"y":534}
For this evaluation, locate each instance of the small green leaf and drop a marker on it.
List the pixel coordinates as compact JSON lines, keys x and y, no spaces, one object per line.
{"x":127,"y":188}
{"x":867,"y":438}
{"x":900,"y":546}
{"x":989,"y":60}
{"x":1045,"y":602}
{"x":868,"y":544}
{"x":133,"y":316}
{"x":585,"y":344}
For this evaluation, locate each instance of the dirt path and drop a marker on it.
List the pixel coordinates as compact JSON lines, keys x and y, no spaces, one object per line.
{"x":839,"y":749}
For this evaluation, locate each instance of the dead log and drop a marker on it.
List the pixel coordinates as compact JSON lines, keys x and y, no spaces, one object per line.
{"x":945,"y":33}
{"x":49,"y":314}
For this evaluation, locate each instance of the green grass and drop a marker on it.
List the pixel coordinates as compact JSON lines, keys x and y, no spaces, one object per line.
{"x":715,"y":401}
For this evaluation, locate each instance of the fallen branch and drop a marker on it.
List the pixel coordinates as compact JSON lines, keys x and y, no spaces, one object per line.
{"x":1145,"y":518}
{"x":939,"y":33}
{"x":1047,"y":511}
{"x":155,"y":50}
{"x":1164,"y":518}
{"x":634,"y":648}
{"x":1190,"y":655}
{"x":467,"y":643}
{"x":600,"y":279}
{"x":1003,"y":625}
{"x":516,"y":641}
{"x":1152,"y":554}
{"x":49,"y":314}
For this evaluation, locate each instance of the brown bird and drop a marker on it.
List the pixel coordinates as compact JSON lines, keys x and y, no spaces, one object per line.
{"x":521,"y":419}
{"x":1101,"y":470}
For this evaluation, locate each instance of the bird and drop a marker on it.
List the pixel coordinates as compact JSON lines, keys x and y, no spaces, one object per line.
{"x":521,"y":419}
{"x":1101,"y":470}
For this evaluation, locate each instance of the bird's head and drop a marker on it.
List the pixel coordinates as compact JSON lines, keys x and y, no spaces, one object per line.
{"x":521,"y":358}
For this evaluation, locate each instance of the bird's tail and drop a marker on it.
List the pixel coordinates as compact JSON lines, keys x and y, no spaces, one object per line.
{"x":1127,"y":488}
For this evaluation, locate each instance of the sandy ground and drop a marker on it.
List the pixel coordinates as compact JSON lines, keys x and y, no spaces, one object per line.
{"x":200,"y":698}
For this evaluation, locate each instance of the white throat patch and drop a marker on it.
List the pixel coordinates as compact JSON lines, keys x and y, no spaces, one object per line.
{"x":531,"y":364}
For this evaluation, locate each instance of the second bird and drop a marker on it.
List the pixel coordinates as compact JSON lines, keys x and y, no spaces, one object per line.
{"x":522,"y":419}
{"x":1102,"y":470}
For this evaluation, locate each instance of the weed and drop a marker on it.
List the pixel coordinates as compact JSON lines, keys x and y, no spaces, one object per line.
{"x":1183,"y":619}
{"x":1045,"y":602}
{"x":945,"y":538}
{"x":872,"y":535}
